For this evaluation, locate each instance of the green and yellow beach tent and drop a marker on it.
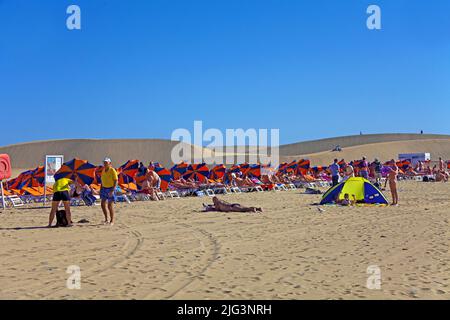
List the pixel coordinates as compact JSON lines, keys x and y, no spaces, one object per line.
{"x":364,"y":191}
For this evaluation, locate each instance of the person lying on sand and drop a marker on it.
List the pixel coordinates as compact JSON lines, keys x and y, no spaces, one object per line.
{"x":223,"y":206}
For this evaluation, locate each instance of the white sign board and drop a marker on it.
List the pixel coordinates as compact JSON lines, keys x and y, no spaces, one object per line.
{"x":415,"y":157}
{"x":52,"y":165}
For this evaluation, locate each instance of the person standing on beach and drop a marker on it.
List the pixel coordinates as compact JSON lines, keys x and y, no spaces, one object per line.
{"x":107,"y":191}
{"x":377,"y":169}
{"x":334,"y":169}
{"x":441,"y":164}
{"x":364,"y":172}
{"x":349,"y":172}
{"x":61,"y":190}
{"x":392,"y":179}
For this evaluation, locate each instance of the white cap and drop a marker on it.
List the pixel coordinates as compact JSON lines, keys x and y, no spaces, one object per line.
{"x":107,"y":160}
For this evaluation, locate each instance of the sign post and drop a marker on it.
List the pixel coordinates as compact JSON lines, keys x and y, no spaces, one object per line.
{"x":52,"y":165}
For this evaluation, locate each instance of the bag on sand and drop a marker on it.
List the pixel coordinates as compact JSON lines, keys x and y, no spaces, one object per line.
{"x":61,"y":220}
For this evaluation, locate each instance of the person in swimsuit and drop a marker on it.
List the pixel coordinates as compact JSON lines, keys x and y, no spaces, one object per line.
{"x":392,"y":179}
{"x":349,"y":172}
{"x":223,"y":206}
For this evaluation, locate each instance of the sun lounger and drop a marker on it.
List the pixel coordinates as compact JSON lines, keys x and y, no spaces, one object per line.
{"x":160,"y":195}
{"x":291,"y":186}
{"x":235,"y":190}
{"x":174,"y":194}
{"x":12,"y":200}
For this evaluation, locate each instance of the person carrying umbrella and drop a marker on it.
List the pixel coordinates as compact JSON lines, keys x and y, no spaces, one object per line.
{"x":107,"y":191}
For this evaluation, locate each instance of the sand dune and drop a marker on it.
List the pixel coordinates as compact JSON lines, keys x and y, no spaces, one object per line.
{"x":28,"y":155}
{"x":384,"y":151}
{"x":384,"y":146}
{"x":309,"y":147}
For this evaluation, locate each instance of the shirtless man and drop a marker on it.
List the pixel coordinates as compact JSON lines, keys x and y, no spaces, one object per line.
{"x":392,"y":179}
{"x":223,"y":206}
{"x":441,"y":164}
{"x":152,"y":182}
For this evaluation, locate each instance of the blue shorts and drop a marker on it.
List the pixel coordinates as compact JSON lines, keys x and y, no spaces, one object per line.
{"x":364,"y":174}
{"x":104,"y":194}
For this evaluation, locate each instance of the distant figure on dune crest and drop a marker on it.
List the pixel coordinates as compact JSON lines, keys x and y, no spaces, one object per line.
{"x":223,"y":206}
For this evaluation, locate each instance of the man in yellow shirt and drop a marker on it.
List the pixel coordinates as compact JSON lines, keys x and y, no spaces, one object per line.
{"x":107,"y":191}
{"x":61,"y":192}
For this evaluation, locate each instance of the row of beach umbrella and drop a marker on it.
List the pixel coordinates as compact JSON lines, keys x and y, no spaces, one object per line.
{"x":87,"y":173}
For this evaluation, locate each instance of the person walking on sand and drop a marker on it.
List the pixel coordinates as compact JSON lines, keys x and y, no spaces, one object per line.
{"x":107,"y":190}
{"x":334,"y":169}
{"x":392,"y":179}
{"x":61,"y":190}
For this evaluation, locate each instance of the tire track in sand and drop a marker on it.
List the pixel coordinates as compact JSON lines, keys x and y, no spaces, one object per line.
{"x":129,"y":249}
{"x":182,"y":281}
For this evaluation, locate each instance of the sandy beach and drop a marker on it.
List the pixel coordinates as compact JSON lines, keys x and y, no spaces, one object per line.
{"x":171,"y":250}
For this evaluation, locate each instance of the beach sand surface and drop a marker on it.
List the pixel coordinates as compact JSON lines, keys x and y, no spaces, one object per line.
{"x":171,"y":250}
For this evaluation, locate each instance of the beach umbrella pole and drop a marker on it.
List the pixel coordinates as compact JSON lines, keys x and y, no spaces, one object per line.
{"x":3,"y":195}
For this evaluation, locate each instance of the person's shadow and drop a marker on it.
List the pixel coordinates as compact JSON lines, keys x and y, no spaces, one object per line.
{"x":45,"y":227}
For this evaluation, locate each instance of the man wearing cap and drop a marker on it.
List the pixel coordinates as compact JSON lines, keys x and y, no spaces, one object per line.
{"x":107,"y":191}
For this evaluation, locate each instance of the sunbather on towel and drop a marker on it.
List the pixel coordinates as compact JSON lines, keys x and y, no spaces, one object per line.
{"x":223,"y":206}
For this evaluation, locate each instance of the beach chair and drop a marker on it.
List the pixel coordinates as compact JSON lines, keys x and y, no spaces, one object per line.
{"x":235,"y":190}
{"x":276,"y":188}
{"x":14,"y":201}
{"x":210,"y":192}
{"x":291,"y":186}
{"x":160,"y":195}
{"x":221,"y":190}
{"x":173,"y":194}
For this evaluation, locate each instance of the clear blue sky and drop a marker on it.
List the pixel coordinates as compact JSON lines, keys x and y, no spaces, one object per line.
{"x":156,"y":65}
